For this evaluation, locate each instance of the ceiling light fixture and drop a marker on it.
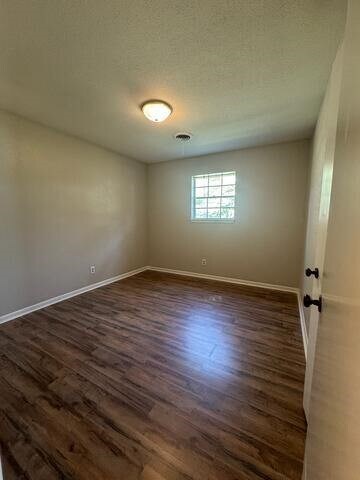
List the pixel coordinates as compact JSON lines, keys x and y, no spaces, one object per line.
{"x":156,"y":110}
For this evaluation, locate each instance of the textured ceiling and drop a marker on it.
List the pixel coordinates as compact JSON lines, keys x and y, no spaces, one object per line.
{"x":237,"y":72}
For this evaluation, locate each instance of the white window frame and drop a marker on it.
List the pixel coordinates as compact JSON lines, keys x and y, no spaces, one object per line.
{"x":193,"y":199}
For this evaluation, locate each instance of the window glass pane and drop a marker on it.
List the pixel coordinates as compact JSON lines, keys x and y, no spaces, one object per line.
{"x":229,"y":179}
{"x":214,"y":202}
{"x":215,"y":180}
{"x":214,"y":213}
{"x":201,"y":181}
{"x":214,"y":191}
{"x":201,"y":203}
{"x":201,"y":192}
{"x":201,"y":213}
{"x":228,"y":190}
{"x":228,"y":202}
{"x":227,"y":213}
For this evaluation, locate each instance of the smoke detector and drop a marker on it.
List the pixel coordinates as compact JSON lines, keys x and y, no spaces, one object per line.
{"x":183,"y":136}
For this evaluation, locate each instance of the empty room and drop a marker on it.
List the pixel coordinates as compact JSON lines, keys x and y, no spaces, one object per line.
{"x":179,"y":240}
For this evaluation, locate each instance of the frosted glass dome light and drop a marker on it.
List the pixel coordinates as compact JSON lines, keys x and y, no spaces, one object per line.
{"x":156,"y":110}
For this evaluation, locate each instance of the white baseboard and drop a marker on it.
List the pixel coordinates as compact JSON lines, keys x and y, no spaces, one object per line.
{"x":304,"y":473}
{"x":303,"y":324}
{"x":46,"y":303}
{"x":238,"y":281}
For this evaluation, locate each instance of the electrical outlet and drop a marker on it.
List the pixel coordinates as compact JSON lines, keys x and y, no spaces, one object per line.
{"x":203,"y":261}
{"x":92,"y":269}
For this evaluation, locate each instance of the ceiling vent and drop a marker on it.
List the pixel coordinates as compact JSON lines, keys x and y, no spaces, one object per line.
{"x":183,"y":136}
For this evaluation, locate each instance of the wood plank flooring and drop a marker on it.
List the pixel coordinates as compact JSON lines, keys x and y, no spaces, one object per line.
{"x":156,"y":377}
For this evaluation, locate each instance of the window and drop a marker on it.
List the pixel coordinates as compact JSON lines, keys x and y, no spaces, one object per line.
{"x":213,"y":197}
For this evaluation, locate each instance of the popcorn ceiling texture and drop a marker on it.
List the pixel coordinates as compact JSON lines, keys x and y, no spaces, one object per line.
{"x":238,"y":73}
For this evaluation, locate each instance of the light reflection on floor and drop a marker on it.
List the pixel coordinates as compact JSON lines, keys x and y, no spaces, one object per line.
{"x":203,"y":334}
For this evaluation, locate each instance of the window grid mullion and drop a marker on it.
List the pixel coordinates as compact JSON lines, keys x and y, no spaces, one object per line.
{"x":216,"y":196}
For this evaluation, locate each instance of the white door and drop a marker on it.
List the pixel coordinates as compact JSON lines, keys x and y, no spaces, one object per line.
{"x":333,"y":440}
{"x":325,"y":148}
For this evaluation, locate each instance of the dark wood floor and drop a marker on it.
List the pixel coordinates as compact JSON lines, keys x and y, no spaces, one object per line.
{"x":156,"y":377}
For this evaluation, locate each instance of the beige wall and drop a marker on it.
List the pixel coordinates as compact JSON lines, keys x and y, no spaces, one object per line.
{"x":64,"y":205}
{"x":265,"y":244}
